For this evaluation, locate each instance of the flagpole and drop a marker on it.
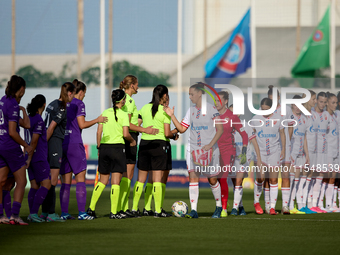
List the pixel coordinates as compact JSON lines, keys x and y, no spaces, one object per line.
{"x":253,"y":44}
{"x":332,"y":45}
{"x":13,"y":38}
{"x":110,"y":43}
{"x":102,"y":55}
{"x":179,"y":74}
{"x":80,"y":36}
{"x":205,"y":6}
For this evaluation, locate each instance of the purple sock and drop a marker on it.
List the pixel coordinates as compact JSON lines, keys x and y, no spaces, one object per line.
{"x":16,"y":208}
{"x":1,"y":210}
{"x":6,"y":200}
{"x":65,"y":198}
{"x":39,"y":199}
{"x":61,"y":192}
{"x":31,"y":195}
{"x":81,"y":196}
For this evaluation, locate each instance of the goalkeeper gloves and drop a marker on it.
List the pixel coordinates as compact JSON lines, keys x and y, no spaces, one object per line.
{"x":243,"y":156}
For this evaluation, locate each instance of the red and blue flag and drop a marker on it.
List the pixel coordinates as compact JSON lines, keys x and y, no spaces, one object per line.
{"x":234,"y":57}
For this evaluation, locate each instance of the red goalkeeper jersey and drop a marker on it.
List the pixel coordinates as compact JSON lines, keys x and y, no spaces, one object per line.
{"x":226,"y":142}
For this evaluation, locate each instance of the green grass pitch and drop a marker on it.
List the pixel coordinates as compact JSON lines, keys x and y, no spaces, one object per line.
{"x":251,"y":234}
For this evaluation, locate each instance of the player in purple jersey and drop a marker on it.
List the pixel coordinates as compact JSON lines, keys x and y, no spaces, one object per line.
{"x":55,"y":122}
{"x":39,"y":169}
{"x":11,"y":156}
{"x":74,"y":157}
{"x":6,"y":194}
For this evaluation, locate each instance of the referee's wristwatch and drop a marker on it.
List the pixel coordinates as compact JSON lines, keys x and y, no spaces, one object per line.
{"x":98,"y":147}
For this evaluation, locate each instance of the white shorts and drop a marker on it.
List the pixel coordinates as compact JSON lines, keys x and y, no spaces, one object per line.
{"x":312,"y":161}
{"x":212,"y":170}
{"x":238,"y":168}
{"x":287,"y":158}
{"x":298,"y":161}
{"x":321,"y":164}
{"x":333,"y":164}
{"x":272,"y":160}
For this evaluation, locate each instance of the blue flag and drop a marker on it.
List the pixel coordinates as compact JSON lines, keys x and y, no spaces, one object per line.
{"x":234,"y":57}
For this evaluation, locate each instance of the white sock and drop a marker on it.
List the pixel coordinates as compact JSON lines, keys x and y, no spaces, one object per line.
{"x":310,"y":193}
{"x":285,"y":196}
{"x":316,"y":190}
{"x":257,"y":191}
{"x":274,"y":191}
{"x":329,"y":195}
{"x":299,"y":193}
{"x":293,"y":188}
{"x":193,"y":195}
{"x":339,"y":195}
{"x":237,"y":196}
{"x":305,"y":191}
{"x":291,"y":178}
{"x":334,"y":196}
{"x":216,"y":190}
{"x":267,"y":197}
{"x":322,"y":194}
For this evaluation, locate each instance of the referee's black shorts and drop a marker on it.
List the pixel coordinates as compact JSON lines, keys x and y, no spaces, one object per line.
{"x":154,"y":155}
{"x":169,"y":157}
{"x":131,"y":152}
{"x":112,"y":158}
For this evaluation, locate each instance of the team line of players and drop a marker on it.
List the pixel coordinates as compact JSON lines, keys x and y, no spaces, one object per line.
{"x":306,"y":153}
{"x":117,"y":133}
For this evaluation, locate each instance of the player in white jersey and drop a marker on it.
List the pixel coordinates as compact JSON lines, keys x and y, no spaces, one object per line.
{"x":336,"y":192}
{"x":241,"y":171}
{"x":269,"y":132}
{"x":202,"y":151}
{"x":321,"y":126}
{"x":285,"y":186}
{"x":332,"y":139}
{"x":299,"y":158}
{"x":311,"y":144}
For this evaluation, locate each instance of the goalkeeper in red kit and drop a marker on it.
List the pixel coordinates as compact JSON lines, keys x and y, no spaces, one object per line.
{"x":227,"y":145}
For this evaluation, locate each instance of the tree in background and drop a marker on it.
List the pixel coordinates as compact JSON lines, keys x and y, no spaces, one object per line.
{"x":35,"y":78}
{"x":120,"y":70}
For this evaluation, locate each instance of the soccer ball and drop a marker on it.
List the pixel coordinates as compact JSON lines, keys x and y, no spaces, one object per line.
{"x":179,"y":209}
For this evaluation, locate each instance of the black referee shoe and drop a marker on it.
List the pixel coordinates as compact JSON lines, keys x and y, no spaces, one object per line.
{"x":129,"y":214}
{"x":161,"y":215}
{"x":122,"y":214}
{"x":91,"y":213}
{"x":168,"y":214}
{"x":116,"y":216}
{"x":136,"y":213}
{"x":147,"y":213}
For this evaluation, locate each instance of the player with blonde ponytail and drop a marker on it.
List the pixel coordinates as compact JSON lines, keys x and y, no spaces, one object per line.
{"x":130,"y":86}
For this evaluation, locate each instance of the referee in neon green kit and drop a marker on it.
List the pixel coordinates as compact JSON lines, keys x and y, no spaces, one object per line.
{"x":154,"y":151}
{"x":111,"y":147}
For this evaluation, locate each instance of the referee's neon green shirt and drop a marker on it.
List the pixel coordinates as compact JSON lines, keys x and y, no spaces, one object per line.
{"x":157,"y":122}
{"x":112,"y":129}
{"x":131,"y":108}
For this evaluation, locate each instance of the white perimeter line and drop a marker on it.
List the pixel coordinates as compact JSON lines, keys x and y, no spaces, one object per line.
{"x":242,"y":218}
